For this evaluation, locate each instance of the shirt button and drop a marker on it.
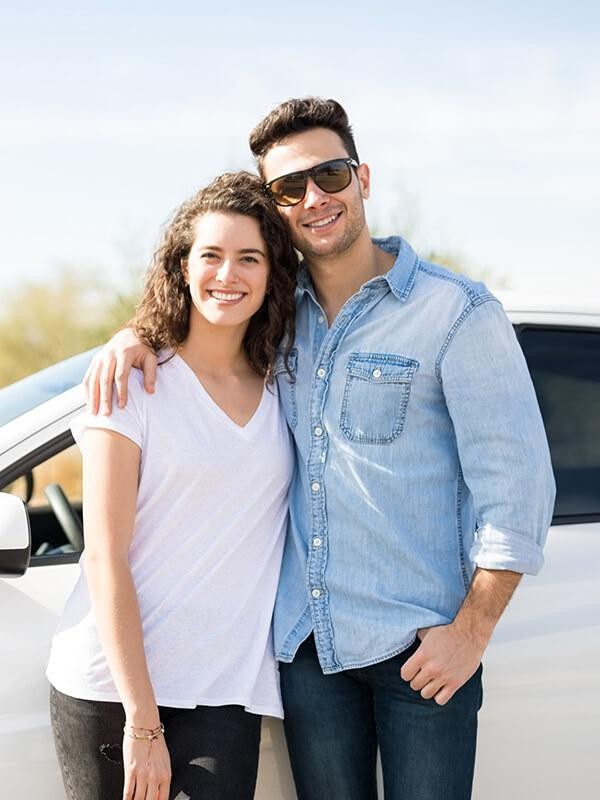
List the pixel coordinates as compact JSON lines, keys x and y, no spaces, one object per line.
{"x":321,"y":320}
{"x":315,"y":486}
{"x":377,"y":373}
{"x":321,"y":372}
{"x":317,"y":542}
{"x":318,"y":431}
{"x":316,"y":593}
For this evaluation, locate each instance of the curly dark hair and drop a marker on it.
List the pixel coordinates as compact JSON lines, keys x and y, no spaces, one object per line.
{"x":163,"y":314}
{"x":297,"y":115}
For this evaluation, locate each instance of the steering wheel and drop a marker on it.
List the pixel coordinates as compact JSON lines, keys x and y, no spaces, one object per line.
{"x":65,"y":514}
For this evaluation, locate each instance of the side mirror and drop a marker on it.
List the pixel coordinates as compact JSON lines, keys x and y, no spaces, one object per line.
{"x":15,"y":536}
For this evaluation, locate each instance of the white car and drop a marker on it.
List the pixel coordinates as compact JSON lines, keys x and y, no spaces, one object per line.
{"x":540,"y":722}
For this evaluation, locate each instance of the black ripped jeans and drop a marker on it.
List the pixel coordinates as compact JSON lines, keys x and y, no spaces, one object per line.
{"x":214,"y":750}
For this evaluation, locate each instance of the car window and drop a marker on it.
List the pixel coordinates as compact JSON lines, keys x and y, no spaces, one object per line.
{"x":565,"y":368}
{"x":52,"y":492}
{"x":22,"y":396}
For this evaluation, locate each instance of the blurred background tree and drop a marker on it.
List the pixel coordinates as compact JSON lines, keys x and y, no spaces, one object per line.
{"x":430,"y":238}
{"x":42,"y":324}
{"x":457,"y":262}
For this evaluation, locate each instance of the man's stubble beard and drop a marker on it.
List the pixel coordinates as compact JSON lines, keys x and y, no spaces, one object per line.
{"x":355,"y":225}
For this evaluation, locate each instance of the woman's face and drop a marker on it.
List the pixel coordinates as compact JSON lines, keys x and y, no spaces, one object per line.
{"x":227,"y":269}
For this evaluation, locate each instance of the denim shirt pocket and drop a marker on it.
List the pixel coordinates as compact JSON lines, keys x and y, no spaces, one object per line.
{"x":376,"y":396}
{"x":286,"y":386}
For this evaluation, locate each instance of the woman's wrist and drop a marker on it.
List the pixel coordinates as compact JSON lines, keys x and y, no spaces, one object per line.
{"x":147,"y":734}
{"x":148,"y":723}
{"x":142,"y":717}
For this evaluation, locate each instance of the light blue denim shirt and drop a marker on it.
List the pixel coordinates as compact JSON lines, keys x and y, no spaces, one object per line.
{"x":421,"y":454}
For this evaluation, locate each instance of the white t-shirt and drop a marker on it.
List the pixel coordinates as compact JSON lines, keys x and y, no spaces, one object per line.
{"x":205,"y":554}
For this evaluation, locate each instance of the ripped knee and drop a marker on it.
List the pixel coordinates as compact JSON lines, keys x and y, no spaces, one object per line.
{"x":207,"y":763}
{"x":112,"y":752}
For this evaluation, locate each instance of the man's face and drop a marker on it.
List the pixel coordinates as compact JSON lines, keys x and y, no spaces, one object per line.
{"x":321,"y":225}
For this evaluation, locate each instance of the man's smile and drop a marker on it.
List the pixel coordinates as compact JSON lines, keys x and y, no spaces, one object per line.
{"x":322,"y":222}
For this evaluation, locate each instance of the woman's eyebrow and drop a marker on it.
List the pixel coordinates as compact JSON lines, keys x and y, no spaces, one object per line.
{"x":241,"y":250}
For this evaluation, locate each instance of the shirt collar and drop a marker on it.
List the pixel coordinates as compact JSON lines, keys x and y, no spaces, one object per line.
{"x":400,"y":278}
{"x":304,"y":281}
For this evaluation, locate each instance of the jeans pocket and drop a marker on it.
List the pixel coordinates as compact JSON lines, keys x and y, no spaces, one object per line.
{"x":376,"y":395}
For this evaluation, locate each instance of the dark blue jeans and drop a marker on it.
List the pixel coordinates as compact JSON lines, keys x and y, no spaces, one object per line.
{"x":335,"y":723}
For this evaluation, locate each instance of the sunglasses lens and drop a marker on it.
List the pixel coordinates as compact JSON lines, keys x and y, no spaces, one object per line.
{"x":333,"y":177}
{"x":289,"y":190}
{"x":330,"y":177}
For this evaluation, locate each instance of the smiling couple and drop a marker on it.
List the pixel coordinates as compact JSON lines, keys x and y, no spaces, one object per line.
{"x":422,"y":490}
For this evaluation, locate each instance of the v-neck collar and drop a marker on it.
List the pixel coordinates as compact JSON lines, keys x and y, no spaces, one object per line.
{"x":215,"y":407}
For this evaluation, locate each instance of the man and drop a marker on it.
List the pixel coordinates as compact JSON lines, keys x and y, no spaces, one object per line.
{"x":423,"y":489}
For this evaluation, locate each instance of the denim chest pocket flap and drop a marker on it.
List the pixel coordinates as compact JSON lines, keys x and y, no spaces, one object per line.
{"x":286,"y":385}
{"x":376,"y":395}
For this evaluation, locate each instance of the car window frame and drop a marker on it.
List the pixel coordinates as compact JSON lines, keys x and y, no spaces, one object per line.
{"x":520,"y":328}
{"x":30,"y":461}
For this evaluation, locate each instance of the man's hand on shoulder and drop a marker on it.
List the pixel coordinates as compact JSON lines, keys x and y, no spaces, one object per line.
{"x":112,"y":366}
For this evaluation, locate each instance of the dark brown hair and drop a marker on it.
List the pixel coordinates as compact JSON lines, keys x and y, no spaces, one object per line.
{"x":296,"y":116}
{"x":163,"y":314}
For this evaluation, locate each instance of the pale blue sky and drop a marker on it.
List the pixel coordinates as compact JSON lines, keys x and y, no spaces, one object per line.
{"x":480,"y":121}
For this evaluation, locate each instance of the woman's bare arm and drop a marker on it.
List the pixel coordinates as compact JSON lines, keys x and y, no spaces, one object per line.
{"x":110,"y":480}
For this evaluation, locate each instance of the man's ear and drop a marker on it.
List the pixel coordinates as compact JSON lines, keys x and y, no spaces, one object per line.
{"x":364,"y":180}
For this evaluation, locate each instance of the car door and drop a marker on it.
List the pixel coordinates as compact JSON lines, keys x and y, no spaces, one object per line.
{"x":541,"y":716}
{"x":30,"y":606}
{"x":37,"y":454}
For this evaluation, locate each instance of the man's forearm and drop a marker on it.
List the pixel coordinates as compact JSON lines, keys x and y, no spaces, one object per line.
{"x":488,"y":596}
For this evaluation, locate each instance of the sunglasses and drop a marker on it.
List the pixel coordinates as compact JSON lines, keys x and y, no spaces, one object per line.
{"x":330,"y":176}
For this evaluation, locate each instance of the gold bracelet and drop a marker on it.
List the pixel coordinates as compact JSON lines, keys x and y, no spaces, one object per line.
{"x":149,"y":734}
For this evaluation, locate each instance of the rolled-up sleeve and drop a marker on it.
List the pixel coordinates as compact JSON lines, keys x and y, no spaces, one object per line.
{"x":501,"y":440}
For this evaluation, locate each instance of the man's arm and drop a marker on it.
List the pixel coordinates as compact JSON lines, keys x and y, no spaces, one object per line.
{"x":505,"y":462}
{"x":450,"y":654}
{"x":112,"y":366}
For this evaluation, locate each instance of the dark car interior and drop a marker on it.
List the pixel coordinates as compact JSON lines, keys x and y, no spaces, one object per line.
{"x":50,"y":486}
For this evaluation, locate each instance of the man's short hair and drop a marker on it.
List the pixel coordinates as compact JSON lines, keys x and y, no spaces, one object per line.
{"x":296,"y":116}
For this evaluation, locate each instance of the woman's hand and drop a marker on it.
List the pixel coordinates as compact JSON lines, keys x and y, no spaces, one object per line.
{"x":147,"y":768}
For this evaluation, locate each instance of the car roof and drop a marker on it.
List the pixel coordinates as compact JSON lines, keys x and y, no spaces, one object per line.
{"x":546,"y":302}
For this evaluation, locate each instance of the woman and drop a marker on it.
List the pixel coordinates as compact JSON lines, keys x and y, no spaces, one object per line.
{"x":163,"y":663}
